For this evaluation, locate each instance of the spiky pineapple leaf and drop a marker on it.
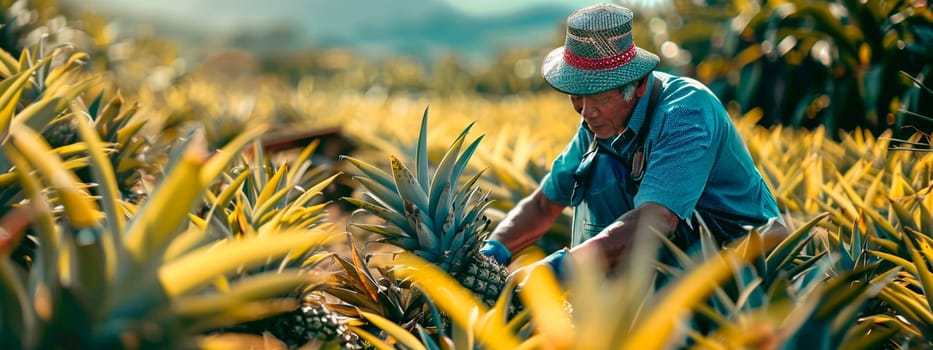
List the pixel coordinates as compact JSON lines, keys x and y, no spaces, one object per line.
{"x":464,"y":158}
{"x":372,"y":172}
{"x":12,"y":88}
{"x":442,"y":179}
{"x":389,"y":215}
{"x":919,"y":248}
{"x":388,"y":196}
{"x":421,"y":154}
{"x":790,"y":247}
{"x":150,"y":233}
{"x":395,"y":331}
{"x":79,"y":207}
{"x":256,"y":287}
{"x":408,"y":186}
{"x":201,"y":265}
{"x":105,"y":178}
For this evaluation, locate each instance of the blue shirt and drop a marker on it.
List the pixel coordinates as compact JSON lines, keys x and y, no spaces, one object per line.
{"x":696,"y":159}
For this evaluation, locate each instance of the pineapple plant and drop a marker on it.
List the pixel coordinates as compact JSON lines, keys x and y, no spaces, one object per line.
{"x":260,"y":197}
{"x":99,"y":280}
{"x":360,"y":290}
{"x":428,"y":214}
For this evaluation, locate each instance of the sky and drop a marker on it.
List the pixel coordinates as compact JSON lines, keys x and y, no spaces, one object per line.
{"x":483,"y":7}
{"x":383,"y":27}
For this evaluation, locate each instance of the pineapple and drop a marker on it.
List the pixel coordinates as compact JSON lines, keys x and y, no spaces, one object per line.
{"x":313,"y":322}
{"x":430,"y":216}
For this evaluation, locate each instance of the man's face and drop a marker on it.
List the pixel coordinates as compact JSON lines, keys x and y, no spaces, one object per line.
{"x":606,"y":113}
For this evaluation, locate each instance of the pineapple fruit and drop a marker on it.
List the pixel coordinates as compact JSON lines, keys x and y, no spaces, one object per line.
{"x":429,"y":215}
{"x":316,"y":323}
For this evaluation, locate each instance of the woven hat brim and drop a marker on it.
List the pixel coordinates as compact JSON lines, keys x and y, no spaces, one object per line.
{"x":574,"y":81}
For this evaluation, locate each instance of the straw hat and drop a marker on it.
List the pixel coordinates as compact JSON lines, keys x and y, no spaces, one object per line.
{"x":599,"y":53}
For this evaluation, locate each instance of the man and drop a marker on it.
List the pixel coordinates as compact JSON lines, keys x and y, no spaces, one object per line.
{"x":638,"y":163}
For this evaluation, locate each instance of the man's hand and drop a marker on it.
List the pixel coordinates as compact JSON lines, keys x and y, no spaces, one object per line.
{"x":554,"y":262}
{"x":497,"y":251}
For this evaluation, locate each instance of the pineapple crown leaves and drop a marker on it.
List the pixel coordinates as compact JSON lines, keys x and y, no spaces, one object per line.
{"x":361,"y":290}
{"x":789,"y":249}
{"x":190,"y":169}
{"x":12,"y":88}
{"x":432,"y":214}
{"x":80,"y":209}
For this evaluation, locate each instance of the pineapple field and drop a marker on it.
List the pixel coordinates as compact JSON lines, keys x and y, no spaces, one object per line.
{"x":148,"y":205}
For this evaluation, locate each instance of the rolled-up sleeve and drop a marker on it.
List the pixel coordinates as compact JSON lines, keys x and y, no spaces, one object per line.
{"x":558,"y":184}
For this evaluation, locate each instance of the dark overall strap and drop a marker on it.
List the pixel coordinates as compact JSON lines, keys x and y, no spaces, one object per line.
{"x":652,"y":101}
{"x":639,"y":158}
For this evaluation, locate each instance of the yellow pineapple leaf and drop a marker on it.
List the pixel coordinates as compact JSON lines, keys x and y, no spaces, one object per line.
{"x":80,"y":208}
{"x":219,"y":160}
{"x":201,"y":265}
{"x":542,"y":295}
{"x":303,"y":157}
{"x":103,"y":172}
{"x":44,"y":222}
{"x":923,"y":270}
{"x":8,"y":64}
{"x":229,"y":341}
{"x":461,"y":337}
{"x":222,"y":284}
{"x":249,"y":310}
{"x":372,"y":339}
{"x":253,"y":288}
{"x":129,"y":130}
{"x":110,"y":111}
{"x":316,"y":258}
{"x":454,"y":299}
{"x":41,"y":112}
{"x":153,"y":228}
{"x":658,"y":326}
{"x":71,"y":65}
{"x":294,"y":214}
{"x":401,"y":335}
{"x":907,"y":302}
{"x":899,"y":301}
{"x":72,"y":149}
{"x":184,"y":242}
{"x":537,"y":341}
{"x":25,"y":59}
{"x":197,"y":221}
{"x":273,"y":190}
{"x":814,"y":171}
{"x":12,"y":88}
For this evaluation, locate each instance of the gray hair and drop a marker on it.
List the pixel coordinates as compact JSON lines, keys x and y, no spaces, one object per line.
{"x":628,"y":90}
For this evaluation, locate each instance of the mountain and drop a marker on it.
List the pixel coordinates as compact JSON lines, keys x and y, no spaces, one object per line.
{"x":417,"y":28}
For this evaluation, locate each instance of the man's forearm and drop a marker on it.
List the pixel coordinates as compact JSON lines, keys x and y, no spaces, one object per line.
{"x":615,"y":242}
{"x":527,"y":222}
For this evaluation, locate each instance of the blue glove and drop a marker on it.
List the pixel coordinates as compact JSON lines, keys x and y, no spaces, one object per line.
{"x":497,"y":251}
{"x":556,"y":262}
